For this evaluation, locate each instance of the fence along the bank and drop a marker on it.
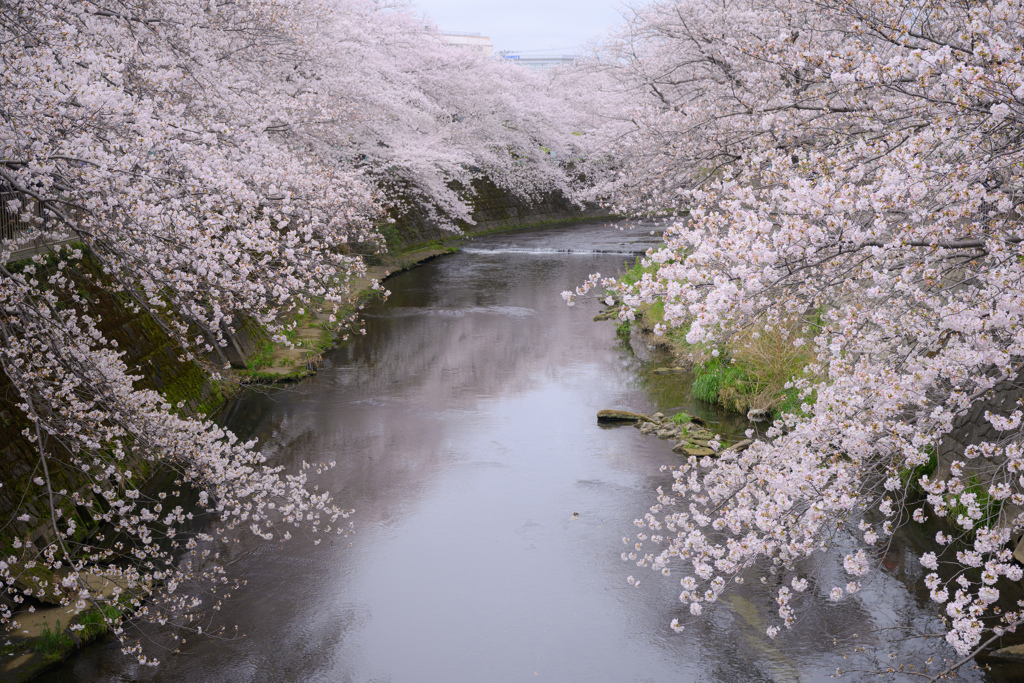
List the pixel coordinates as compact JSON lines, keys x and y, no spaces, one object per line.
{"x":23,"y":220}
{"x":20,"y":214}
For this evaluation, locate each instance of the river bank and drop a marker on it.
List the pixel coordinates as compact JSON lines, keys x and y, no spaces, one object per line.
{"x":276,"y":362}
{"x":768,"y":358}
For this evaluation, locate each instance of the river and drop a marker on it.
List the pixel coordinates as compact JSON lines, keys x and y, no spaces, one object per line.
{"x":490,"y":506}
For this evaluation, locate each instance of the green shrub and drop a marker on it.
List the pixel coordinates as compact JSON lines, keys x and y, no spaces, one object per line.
{"x":712,"y":377}
{"x":636,"y":272}
{"x":53,"y":643}
{"x":98,"y":621}
{"x":990,"y":507}
{"x":705,"y":386}
{"x":792,"y":403}
{"x":911,"y":476}
{"x":754,"y":370}
{"x":392,"y":237}
{"x":261,"y":358}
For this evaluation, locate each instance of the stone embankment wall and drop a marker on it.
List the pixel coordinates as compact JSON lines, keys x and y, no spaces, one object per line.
{"x":149,"y":353}
{"x":972,"y":429}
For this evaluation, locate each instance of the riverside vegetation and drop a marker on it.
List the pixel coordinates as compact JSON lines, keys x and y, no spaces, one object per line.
{"x":843,"y":182}
{"x":755,"y":373}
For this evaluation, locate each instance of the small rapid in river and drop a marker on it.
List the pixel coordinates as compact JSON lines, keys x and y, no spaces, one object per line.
{"x":490,"y":506}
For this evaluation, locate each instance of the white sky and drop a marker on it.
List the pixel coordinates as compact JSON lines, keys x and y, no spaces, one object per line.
{"x":555,"y":26}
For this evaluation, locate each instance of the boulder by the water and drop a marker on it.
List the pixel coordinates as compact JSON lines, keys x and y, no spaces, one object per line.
{"x":623,"y":416}
{"x":737,"y":447}
{"x":1013,"y":653}
{"x":690,"y":433}
{"x":758,"y":414}
{"x":689,"y":449}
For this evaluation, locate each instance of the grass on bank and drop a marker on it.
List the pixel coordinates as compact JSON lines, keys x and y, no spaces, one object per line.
{"x":98,"y":621}
{"x":753,"y":371}
{"x":989,"y":506}
{"x":54,"y":643}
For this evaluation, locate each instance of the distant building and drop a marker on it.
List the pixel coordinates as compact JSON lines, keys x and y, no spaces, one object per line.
{"x":468,"y":41}
{"x":539,"y":61}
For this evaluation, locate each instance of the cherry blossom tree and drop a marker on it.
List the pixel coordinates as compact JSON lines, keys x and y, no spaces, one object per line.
{"x":433,"y":118}
{"x":159,"y":136}
{"x":207,"y":164}
{"x":849,"y":172}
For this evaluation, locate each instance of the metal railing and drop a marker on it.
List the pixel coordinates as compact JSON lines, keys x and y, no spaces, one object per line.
{"x":26,"y":224}
{"x":16,"y":222}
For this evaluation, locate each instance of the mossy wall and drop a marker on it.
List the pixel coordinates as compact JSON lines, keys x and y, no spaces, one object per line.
{"x":148,"y":352}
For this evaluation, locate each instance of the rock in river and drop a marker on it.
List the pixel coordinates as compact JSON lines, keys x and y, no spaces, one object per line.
{"x":688,"y":449}
{"x":737,"y":447}
{"x":1011,"y":653}
{"x":624,"y":416}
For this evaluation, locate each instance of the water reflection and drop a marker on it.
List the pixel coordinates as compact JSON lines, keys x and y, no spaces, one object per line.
{"x":490,"y":505}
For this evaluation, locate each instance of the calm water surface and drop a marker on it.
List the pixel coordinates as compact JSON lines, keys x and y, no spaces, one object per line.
{"x":490,"y":506}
